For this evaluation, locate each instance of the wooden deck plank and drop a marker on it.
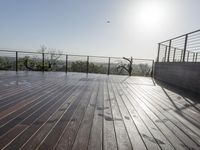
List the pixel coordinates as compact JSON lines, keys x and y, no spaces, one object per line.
{"x":172,"y":138}
{"x":43,"y":101}
{"x":173,"y":105}
{"x":110,"y":142}
{"x":187,"y":108}
{"x":68,"y":136}
{"x":54,"y":110}
{"x":83,"y":135}
{"x":16,"y":88}
{"x":179,"y":133}
{"x":185,"y":120}
{"x":123,"y":140}
{"x":158,"y":136}
{"x":28,"y":102}
{"x":134,"y":136}
{"x":142,"y":127}
{"x":21,"y":97}
{"x":52,"y":138}
{"x":169,"y":117}
{"x":48,"y":125}
{"x":96,"y":135}
{"x":178,"y":98}
{"x":31,"y":125}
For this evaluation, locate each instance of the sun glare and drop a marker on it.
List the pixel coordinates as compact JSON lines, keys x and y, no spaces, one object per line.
{"x":147,"y":15}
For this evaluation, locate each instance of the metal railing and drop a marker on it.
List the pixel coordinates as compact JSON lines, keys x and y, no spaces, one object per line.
{"x":37,"y":61}
{"x":184,"y":48}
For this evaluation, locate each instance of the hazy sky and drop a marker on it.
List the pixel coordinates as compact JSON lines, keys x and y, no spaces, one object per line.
{"x":80,"y":26}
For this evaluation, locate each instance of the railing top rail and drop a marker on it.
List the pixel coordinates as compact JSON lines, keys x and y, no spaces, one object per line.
{"x":180,"y":36}
{"x":143,"y":59}
{"x":178,"y":48}
{"x":71,"y":55}
{"x":93,"y":56}
{"x":55,"y":53}
{"x":11,"y":51}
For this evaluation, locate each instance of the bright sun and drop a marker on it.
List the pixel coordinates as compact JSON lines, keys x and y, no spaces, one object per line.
{"x":147,"y":15}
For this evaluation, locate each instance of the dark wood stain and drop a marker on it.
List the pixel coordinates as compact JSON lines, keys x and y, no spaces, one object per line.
{"x":73,"y":111}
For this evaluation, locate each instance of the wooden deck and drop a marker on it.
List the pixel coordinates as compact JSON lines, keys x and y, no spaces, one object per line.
{"x":95,"y":112}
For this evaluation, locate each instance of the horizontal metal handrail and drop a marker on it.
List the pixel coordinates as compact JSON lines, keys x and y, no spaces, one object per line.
{"x":72,"y":55}
{"x":180,"y":36}
{"x":85,"y":62}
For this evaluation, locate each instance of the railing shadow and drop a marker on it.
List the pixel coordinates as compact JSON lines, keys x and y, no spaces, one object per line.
{"x":150,"y":80}
{"x":195,"y":97}
{"x":185,"y":95}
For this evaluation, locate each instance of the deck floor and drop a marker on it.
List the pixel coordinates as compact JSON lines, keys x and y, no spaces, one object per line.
{"x":95,"y":112}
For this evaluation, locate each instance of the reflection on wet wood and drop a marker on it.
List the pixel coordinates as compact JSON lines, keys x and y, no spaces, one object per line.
{"x":78,"y":111}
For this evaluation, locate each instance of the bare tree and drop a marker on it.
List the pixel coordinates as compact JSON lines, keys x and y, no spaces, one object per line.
{"x":53,"y":54}
{"x":128,"y":67}
{"x":42,"y":49}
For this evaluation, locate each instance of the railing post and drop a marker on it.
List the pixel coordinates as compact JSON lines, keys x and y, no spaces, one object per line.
{"x":66,"y":64}
{"x":16,"y":60}
{"x":188,"y":54}
{"x":193,"y":56}
{"x":174,"y":54}
{"x":152,"y":73}
{"x":108,"y":66}
{"x":165,"y":53}
{"x":181,"y":55}
{"x":158,"y":55}
{"x":42,"y":61}
{"x":170,"y":42}
{"x":185,"y":47}
{"x":196,"y":57}
{"x":87,"y":65}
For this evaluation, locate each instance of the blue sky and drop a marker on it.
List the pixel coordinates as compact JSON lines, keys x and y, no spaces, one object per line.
{"x":80,"y":26}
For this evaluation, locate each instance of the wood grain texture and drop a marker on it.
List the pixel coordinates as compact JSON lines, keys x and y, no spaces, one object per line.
{"x":76,"y":111}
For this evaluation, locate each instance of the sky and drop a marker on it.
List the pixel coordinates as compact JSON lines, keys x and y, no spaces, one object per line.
{"x":96,"y":27}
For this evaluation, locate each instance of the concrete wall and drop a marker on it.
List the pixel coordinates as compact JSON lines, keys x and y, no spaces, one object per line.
{"x":183,"y":75}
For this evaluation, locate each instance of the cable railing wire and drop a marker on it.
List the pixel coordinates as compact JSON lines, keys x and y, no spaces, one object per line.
{"x":38,"y":61}
{"x":184,"y":48}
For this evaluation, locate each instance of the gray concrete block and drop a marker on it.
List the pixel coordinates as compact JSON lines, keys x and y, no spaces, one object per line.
{"x":183,"y":75}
